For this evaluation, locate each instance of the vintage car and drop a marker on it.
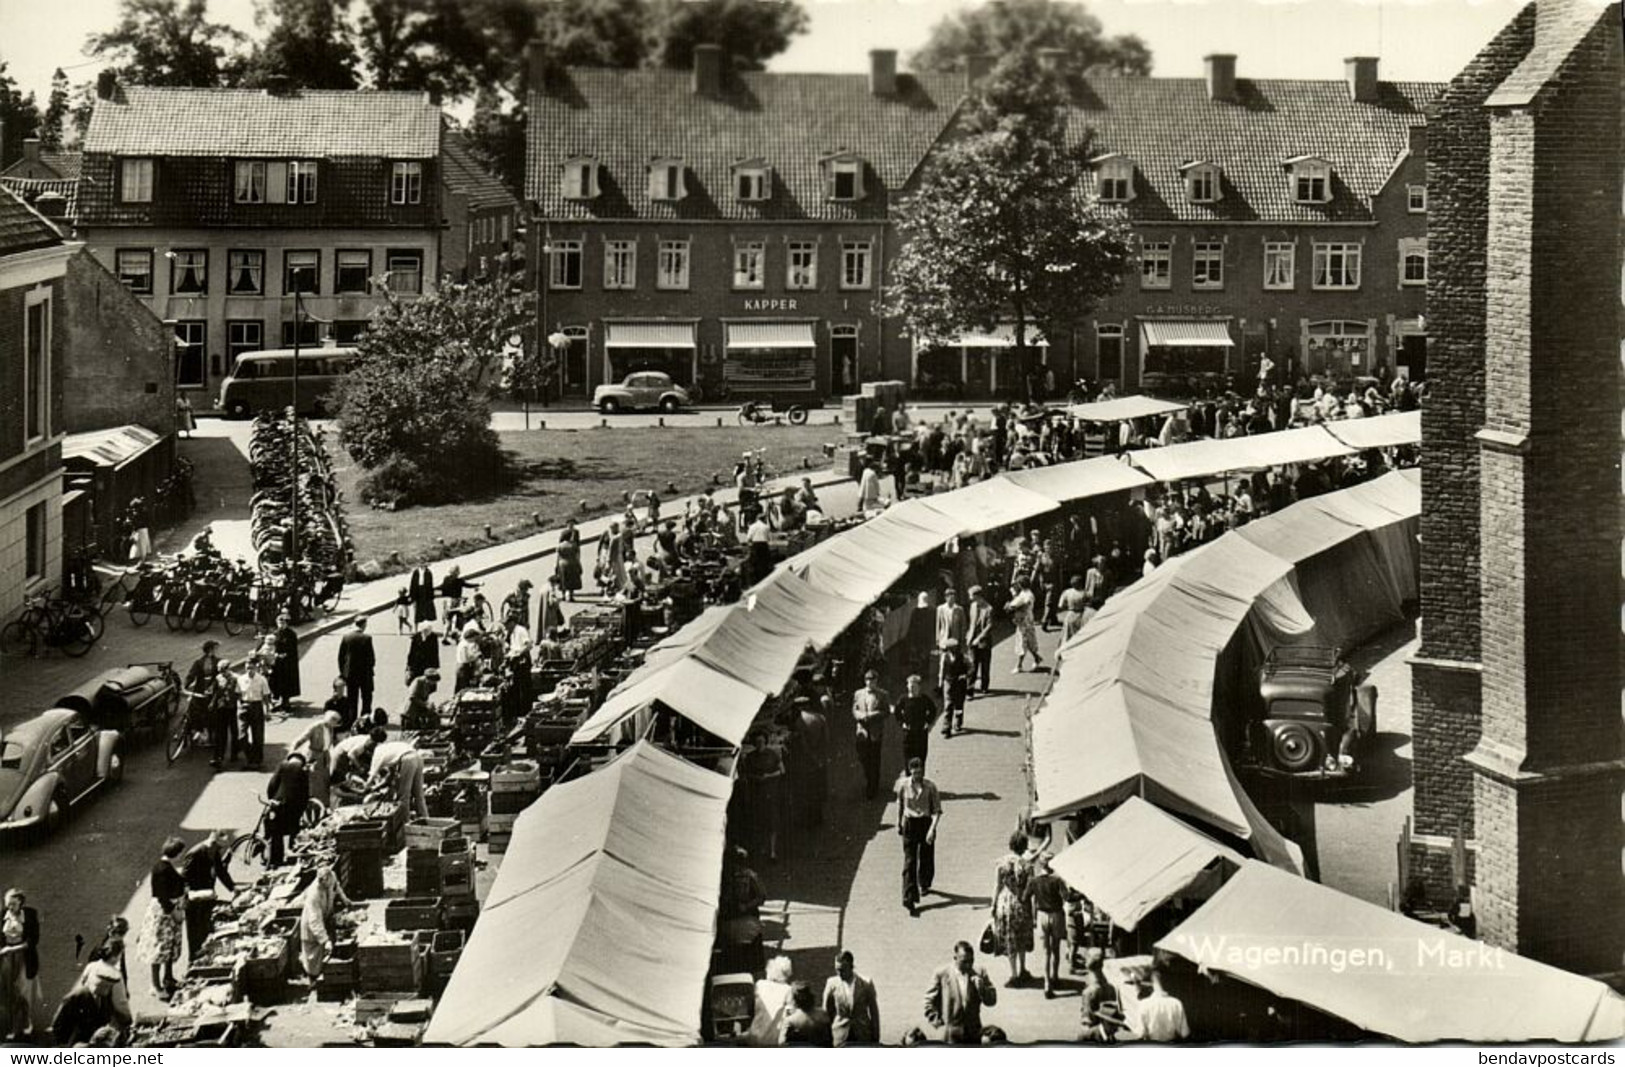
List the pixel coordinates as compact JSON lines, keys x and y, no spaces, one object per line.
{"x":50,"y":763}
{"x":643,"y":389}
{"x":137,"y":701}
{"x":1318,"y":713}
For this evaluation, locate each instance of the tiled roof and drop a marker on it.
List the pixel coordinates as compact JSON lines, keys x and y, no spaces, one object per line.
{"x":1161,"y":123}
{"x":791,"y":121}
{"x":21,"y":228}
{"x":30,"y":190}
{"x":64,"y":163}
{"x":252,"y":122}
{"x":465,"y":173}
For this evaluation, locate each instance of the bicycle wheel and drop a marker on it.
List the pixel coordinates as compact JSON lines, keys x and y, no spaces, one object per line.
{"x":315,"y":812}
{"x":174,"y":609}
{"x":201,"y":614}
{"x":74,"y":636}
{"x":93,"y":619}
{"x":140,"y":613}
{"x":17,"y":639}
{"x":248,"y":849}
{"x":180,"y":738}
{"x":234,"y":622}
{"x":112,"y":597}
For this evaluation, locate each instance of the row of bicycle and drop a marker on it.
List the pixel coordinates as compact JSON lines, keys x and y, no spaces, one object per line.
{"x":296,"y":509}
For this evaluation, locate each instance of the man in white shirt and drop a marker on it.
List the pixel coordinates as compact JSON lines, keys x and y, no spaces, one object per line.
{"x":869,"y":487}
{"x":401,"y":760}
{"x":254,"y":690}
{"x":1162,"y":1017}
{"x":761,"y":555}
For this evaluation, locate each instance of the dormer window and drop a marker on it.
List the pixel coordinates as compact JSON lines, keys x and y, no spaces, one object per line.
{"x":753,"y":181}
{"x":1311,"y":179}
{"x":666,"y":179}
{"x":581,"y":179}
{"x":845,"y":177}
{"x":1201,"y":182}
{"x":1114,"y":179}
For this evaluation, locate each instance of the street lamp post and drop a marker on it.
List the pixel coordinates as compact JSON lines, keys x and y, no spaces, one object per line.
{"x":293,"y":439}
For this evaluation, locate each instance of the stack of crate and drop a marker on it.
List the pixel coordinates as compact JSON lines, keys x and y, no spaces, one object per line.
{"x":474,"y":719}
{"x":359,"y":863}
{"x":513,"y":787}
{"x":438,"y":861}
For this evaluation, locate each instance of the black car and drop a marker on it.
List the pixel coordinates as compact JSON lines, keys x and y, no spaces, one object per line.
{"x":1318,"y":713}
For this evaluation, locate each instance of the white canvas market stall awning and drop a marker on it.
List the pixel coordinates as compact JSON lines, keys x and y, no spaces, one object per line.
{"x":704,"y":695}
{"x":1066,"y":482}
{"x":648,"y":335}
{"x":770,"y":335}
{"x":1186,"y":333}
{"x":1138,"y":858}
{"x":599,"y":927}
{"x":1124,"y":407}
{"x":109,"y":448}
{"x":1404,"y":985}
{"x":1209,"y":458}
{"x":989,"y":505}
{"x":1379,"y":431}
{"x":785,"y":602}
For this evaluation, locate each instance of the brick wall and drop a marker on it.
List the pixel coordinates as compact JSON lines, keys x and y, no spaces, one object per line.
{"x":118,"y":368}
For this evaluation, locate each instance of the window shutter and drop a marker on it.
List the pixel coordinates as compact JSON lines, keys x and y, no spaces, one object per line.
{"x":276,"y":183}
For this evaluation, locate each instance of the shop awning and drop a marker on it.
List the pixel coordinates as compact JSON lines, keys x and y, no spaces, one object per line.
{"x":1208,"y":457}
{"x":702,"y":694}
{"x":1138,"y":858}
{"x":989,"y":505}
{"x":108,"y":448}
{"x":648,"y":335}
{"x":1124,"y":407}
{"x":998,"y":337}
{"x":787,"y":603}
{"x":845,"y":567}
{"x":771,"y":335}
{"x":1379,"y":431}
{"x":600,"y":925}
{"x":1186,"y":333}
{"x":1411,"y":991}
{"x":744,"y":648}
{"x":1066,"y":482}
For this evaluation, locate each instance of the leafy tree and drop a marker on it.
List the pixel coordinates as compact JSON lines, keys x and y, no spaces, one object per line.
{"x":414,"y":411}
{"x":308,"y":43}
{"x":169,"y":42}
{"x":56,"y":111}
{"x":753,"y":32}
{"x":19,"y":115}
{"x":1004,"y":225}
{"x":434,"y":45}
{"x":592,"y":33}
{"x":1003,"y":27}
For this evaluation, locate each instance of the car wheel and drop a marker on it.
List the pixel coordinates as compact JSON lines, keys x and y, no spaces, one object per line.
{"x":1294,"y":747}
{"x":115,"y":768}
{"x":238,"y":409}
{"x":609,"y":405}
{"x":670,"y":405}
{"x":797,"y":415}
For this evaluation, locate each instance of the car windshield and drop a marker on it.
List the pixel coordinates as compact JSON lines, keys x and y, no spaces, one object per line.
{"x":11,"y":755}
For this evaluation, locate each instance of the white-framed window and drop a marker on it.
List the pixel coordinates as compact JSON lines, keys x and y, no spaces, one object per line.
{"x":301,"y":272}
{"x":405,"y":266}
{"x":1114,"y":180}
{"x":34,"y":544}
{"x":1336,"y":265}
{"x":302,"y":181}
{"x":1207,"y":265}
{"x":189,"y":272}
{"x":1311,"y":181}
{"x":1280,"y":264}
{"x":565,"y":269}
{"x":620,"y":264}
{"x":801,"y":265}
{"x":1202,"y":184}
{"x":242,"y":335}
{"x":134,"y":268}
{"x":666,"y":180}
{"x":857,"y":259}
{"x":249,"y":186}
{"x":352,"y":270}
{"x":191,"y":363}
{"x":752,"y":183}
{"x":750,"y":264}
{"x":846,"y":179}
{"x":1156,"y":264}
{"x":672,"y":265}
{"x":1413,"y":261}
{"x":580,"y":181}
{"x":245,"y":272}
{"x":1416,"y":199}
{"x":37,"y":364}
{"x":406,"y":182}
{"x":135,"y":180}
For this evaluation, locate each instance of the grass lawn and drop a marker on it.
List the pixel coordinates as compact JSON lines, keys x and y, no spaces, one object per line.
{"x":556,"y":470}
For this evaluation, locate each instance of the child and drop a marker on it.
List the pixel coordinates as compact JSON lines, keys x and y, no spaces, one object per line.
{"x":403,"y":611}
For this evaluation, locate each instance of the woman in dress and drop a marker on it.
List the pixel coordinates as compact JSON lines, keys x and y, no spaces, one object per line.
{"x":1012,"y":922}
{"x":284,"y":661}
{"x":1020,"y":610}
{"x":161,"y":929}
{"x":22,"y":1010}
{"x":568,"y":566}
{"x":315,"y":921}
{"x":317,"y":742}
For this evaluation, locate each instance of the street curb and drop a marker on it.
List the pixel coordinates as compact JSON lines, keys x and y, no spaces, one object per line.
{"x":339,"y":621}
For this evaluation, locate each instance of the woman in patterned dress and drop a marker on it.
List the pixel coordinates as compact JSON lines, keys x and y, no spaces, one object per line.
{"x":1020,"y":609}
{"x":161,"y":929}
{"x":1011,"y":920}
{"x":568,"y":567}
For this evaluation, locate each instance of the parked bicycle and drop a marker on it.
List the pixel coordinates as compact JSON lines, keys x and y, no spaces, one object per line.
{"x":254,"y":847}
{"x":51,"y":622}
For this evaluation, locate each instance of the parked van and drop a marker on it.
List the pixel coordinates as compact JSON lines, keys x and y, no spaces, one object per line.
{"x":263,"y":381}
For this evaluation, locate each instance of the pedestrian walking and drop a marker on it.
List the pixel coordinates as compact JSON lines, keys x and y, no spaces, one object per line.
{"x":916,"y":712}
{"x":22,"y":1005}
{"x":869,"y":487}
{"x":919,"y":812}
{"x":420,"y":591}
{"x":203,"y":867}
{"x":1020,"y":610}
{"x":1074,"y":604}
{"x":289,"y":793}
{"x":255,"y":693}
{"x":1046,"y":902}
{"x":957,"y":995}
{"x":422,"y":652}
{"x":851,"y":1004}
{"x":979,"y":638}
{"x":870,"y":705}
{"x":452,"y":588}
{"x":357,"y":660}
{"x":953,"y":679}
{"x":284,"y":668}
{"x":185,"y":417}
{"x":1012,"y":921}
{"x":762,"y":769}
{"x":160,"y":939}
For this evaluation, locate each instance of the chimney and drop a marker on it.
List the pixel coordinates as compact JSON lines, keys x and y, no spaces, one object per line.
{"x":978,"y":65}
{"x":106,"y":85}
{"x":535,"y":66}
{"x":883,"y":72}
{"x":708,"y":70}
{"x":31,"y":149}
{"x":1051,"y":59}
{"x":279,"y":85}
{"x":1221,"y":77}
{"x":1361,"y":74}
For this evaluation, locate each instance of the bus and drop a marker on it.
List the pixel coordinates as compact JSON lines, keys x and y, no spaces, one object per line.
{"x":263,"y":381}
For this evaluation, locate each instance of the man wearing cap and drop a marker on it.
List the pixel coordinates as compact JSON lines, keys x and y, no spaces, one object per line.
{"x":979,"y":636}
{"x":869,"y":708}
{"x":1099,"y":1011}
{"x":356,"y":662}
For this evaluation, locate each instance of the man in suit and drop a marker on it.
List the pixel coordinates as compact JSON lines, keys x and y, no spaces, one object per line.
{"x":851,"y":1004}
{"x":979,"y":637}
{"x":951,"y":624}
{"x":356,"y":662}
{"x":421,"y":590}
{"x":957,"y":995}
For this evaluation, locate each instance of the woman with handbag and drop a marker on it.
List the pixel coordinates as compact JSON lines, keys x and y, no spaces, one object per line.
{"x":1012,"y":921}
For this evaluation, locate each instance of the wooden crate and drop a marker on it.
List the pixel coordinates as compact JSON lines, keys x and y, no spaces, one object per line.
{"x":431,"y":833}
{"x":412,"y":913}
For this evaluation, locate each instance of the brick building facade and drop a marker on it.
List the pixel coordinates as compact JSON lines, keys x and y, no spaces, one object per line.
{"x":483,"y":219}
{"x":1518,"y":734}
